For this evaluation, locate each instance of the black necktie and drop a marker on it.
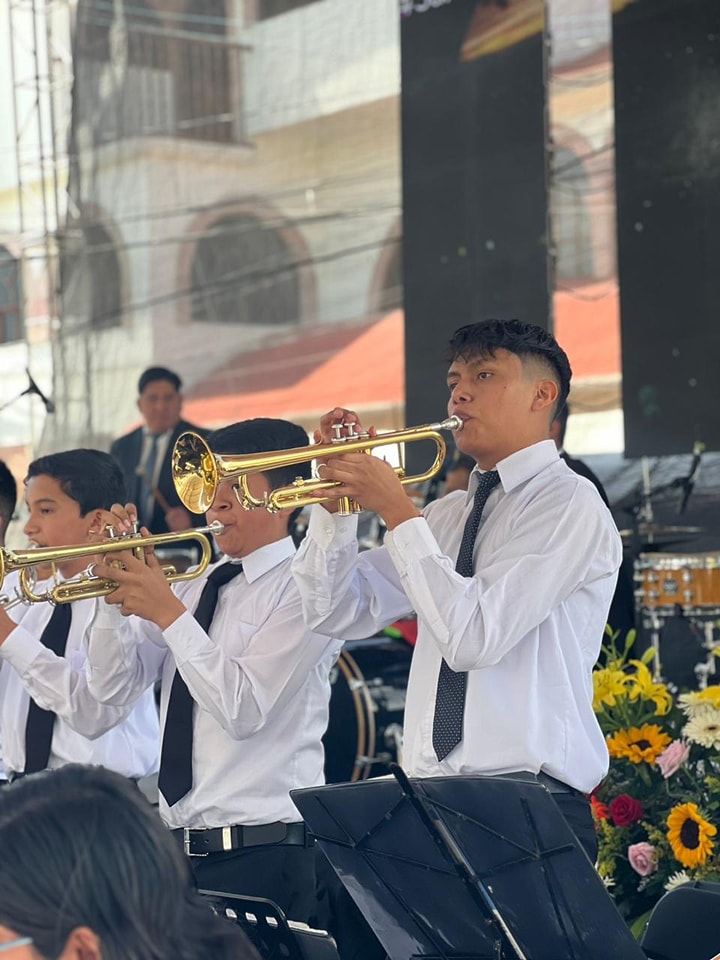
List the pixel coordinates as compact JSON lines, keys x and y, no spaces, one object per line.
{"x":451,"y":685}
{"x":40,"y":723}
{"x":175,"y":777}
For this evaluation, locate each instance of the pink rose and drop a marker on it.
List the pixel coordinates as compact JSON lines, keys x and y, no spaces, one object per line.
{"x":673,"y":757}
{"x":643,"y":858}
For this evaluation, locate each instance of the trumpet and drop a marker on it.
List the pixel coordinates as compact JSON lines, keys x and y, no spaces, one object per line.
{"x":86,"y":584}
{"x":197,"y":471}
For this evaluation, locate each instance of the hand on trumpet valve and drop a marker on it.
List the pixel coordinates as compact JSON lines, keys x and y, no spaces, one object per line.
{"x":340,"y":424}
{"x":142,"y":587}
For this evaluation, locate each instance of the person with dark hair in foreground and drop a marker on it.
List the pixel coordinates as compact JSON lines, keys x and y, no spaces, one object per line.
{"x":245,"y":685}
{"x":511,"y":581}
{"x":89,"y":872}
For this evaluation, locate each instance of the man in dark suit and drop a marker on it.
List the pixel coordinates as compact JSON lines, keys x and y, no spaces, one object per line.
{"x":145,"y":454}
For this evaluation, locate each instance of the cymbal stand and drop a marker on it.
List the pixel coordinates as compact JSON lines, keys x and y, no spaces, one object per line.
{"x":706,"y":669}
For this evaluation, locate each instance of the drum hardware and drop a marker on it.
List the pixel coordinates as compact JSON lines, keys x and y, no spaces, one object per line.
{"x":708,"y":667}
{"x":367,"y":704}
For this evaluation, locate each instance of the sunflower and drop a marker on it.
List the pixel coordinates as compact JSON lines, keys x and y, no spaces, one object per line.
{"x":689,"y":835}
{"x":641,"y":686}
{"x":608,"y":684}
{"x":638,"y":744}
{"x":696,"y":700}
{"x":703,"y":727}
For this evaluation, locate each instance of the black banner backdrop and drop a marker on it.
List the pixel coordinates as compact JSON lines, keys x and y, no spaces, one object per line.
{"x":475,"y":194}
{"x":667,"y":106}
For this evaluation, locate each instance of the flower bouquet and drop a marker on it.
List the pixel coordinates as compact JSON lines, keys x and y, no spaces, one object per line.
{"x":658,"y":810}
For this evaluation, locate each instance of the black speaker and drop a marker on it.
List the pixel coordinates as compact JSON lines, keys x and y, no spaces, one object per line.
{"x":473,"y":103}
{"x":667,"y":132}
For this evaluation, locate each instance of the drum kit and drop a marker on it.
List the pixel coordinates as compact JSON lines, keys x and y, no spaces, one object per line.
{"x":676,"y":594}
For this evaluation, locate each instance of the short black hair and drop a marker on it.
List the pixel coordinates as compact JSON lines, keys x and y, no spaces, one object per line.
{"x":8,"y":493}
{"x":90,"y":477}
{"x":523,"y":339}
{"x":263,"y":435}
{"x":82,"y":847}
{"x":158,"y":373}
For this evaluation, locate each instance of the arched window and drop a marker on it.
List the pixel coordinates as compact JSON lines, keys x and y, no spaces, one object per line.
{"x":11,"y":323}
{"x":91,"y":279}
{"x":571,"y":223}
{"x":244,"y":272}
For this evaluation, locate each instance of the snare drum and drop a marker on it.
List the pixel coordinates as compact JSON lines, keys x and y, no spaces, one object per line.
{"x":668,"y":581}
{"x":367,"y":703}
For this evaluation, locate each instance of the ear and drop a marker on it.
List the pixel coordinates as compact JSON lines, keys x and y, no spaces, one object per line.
{"x":546,"y":394}
{"x":82,"y":944}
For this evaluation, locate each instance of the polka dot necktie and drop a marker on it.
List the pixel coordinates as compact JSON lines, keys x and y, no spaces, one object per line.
{"x":451,"y":685}
{"x":176,"y":776}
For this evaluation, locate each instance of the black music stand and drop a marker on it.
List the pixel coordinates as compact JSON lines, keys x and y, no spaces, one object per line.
{"x":478,"y":868}
{"x":270,"y":932}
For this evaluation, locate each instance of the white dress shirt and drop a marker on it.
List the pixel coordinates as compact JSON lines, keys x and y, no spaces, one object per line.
{"x":124,"y":738}
{"x":527,"y":626}
{"x":260,"y":682}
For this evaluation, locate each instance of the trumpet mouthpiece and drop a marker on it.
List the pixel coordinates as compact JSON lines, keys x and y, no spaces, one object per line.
{"x":215,"y":528}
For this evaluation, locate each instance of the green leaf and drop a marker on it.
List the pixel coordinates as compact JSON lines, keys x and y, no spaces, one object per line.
{"x":637,"y":926}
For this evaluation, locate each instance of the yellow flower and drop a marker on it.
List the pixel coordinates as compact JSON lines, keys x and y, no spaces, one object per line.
{"x":689,"y":835}
{"x":642,"y":686}
{"x":698,"y":699}
{"x":638,"y":744}
{"x":608,"y":684}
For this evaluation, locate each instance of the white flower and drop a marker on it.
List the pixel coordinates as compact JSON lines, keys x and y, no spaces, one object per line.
{"x":608,"y":881}
{"x":676,"y":880}
{"x":704,"y":727}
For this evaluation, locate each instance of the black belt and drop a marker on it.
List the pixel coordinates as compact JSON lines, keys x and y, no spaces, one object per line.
{"x":557,"y":786}
{"x":551,"y":784}
{"x":201,"y":842}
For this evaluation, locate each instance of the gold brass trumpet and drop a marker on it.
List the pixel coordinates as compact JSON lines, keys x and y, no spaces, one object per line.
{"x":197,"y":471}
{"x":86,"y":584}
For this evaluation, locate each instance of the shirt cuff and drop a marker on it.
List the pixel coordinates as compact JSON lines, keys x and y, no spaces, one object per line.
{"x":330,"y":528}
{"x":409,"y":542}
{"x":21,"y":648}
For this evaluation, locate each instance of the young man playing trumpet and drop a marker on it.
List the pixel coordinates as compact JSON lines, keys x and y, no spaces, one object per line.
{"x":511,"y":581}
{"x":245,"y":685}
{"x":47,"y":715}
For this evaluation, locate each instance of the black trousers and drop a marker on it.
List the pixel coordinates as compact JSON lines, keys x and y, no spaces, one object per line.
{"x":283,"y":874}
{"x":353,"y":935}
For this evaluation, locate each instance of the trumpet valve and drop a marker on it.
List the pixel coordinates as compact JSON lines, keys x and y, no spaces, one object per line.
{"x":352,"y":432}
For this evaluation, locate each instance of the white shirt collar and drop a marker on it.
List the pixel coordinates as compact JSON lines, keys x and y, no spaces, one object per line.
{"x":257,"y":563}
{"x":519,"y":467}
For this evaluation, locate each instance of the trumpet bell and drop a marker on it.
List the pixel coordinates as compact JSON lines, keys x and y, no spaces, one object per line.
{"x":195,"y":472}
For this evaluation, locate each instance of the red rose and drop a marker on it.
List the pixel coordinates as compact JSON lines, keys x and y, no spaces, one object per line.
{"x":625,"y":810}
{"x":600,"y":810}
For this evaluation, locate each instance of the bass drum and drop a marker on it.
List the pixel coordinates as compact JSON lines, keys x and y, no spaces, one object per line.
{"x":367,"y":702}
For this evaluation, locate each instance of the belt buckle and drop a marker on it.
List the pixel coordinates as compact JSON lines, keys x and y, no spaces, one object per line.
{"x":187,"y":837}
